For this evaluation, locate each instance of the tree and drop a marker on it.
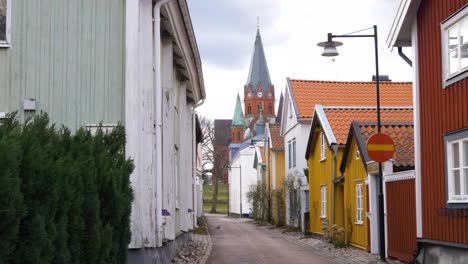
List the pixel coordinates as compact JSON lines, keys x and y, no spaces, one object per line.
{"x":214,"y":159}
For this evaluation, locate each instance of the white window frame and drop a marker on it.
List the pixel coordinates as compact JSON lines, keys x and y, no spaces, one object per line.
{"x":294,"y":152}
{"x":452,"y":198}
{"x":323,"y":201}
{"x":289,"y":154}
{"x":106,"y":128}
{"x":290,"y":110}
{"x":453,"y":21}
{"x":359,"y":204}
{"x":6,"y":43}
{"x":323,"y":144}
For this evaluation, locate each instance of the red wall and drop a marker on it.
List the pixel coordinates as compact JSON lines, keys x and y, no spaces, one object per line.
{"x":401,"y":219}
{"x":441,"y":111}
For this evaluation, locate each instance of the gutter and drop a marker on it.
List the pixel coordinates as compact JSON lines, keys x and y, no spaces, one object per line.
{"x":157,"y":84}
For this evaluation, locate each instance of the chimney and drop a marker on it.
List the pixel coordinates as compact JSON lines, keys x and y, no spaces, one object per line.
{"x":382,"y":78}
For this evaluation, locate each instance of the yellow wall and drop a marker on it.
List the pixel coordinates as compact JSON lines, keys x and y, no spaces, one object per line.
{"x":280,"y":170}
{"x":355,"y":173}
{"x":279,"y":166}
{"x":279,"y":211}
{"x":320,"y":174}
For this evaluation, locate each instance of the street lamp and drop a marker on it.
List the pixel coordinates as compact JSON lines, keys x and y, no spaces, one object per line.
{"x":330,"y":51}
{"x":240,"y":186}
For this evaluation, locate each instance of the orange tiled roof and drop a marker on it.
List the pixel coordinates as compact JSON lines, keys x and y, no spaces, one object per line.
{"x":309,"y":93}
{"x":403,"y":137}
{"x":341,"y":118}
{"x":277,"y":142}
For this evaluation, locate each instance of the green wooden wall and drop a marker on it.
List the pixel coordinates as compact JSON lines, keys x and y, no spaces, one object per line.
{"x":69,"y":56}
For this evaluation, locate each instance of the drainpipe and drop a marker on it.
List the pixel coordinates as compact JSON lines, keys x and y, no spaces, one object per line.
{"x":335,"y":153}
{"x":194,"y":162}
{"x":404,"y":57}
{"x":157,"y":83}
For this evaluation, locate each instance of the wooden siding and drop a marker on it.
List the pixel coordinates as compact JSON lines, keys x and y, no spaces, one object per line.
{"x":319,"y":175}
{"x":279,"y":158}
{"x":69,"y":56}
{"x":441,"y":111}
{"x":401,"y":219}
{"x":355,"y":173}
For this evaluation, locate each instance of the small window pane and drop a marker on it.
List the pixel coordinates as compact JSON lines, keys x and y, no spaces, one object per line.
{"x":464,"y":43}
{"x":453,"y":49}
{"x":456,"y":155}
{"x":465,"y":153}
{"x":456,"y":182}
{"x":3,"y":19}
{"x":466,"y":181}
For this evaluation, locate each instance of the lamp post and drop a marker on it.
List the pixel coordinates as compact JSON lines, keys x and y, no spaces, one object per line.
{"x":330,"y":51}
{"x":240,"y":187}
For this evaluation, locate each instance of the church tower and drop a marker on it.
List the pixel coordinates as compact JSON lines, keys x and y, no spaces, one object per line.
{"x":259,"y":92}
{"x":238,"y":123}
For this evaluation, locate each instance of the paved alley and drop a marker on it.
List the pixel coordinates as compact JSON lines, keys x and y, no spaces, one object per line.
{"x":240,"y":242}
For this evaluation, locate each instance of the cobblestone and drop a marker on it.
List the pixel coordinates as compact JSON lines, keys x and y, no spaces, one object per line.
{"x":195,"y":251}
{"x":320,"y":247}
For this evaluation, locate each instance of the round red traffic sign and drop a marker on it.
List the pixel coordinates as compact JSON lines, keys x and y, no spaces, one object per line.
{"x":380,"y":147}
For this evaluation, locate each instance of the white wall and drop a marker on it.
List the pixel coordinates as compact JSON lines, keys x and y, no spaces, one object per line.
{"x":243,"y":159}
{"x":139,"y":120}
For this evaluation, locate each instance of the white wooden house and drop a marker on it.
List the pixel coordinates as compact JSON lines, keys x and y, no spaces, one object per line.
{"x":295,"y":126}
{"x":133,"y":61}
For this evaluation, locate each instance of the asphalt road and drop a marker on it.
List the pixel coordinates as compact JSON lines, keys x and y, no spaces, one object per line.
{"x":240,"y":242}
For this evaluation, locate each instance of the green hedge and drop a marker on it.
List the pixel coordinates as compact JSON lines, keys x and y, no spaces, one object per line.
{"x":64,"y":198}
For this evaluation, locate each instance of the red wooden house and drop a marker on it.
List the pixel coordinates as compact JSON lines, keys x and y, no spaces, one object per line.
{"x":437,"y":31}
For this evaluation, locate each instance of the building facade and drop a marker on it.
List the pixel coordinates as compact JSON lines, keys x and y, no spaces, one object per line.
{"x":436,"y":31}
{"x":92,"y":64}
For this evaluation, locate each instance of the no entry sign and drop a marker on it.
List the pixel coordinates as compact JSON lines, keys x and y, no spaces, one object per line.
{"x":380,"y":147}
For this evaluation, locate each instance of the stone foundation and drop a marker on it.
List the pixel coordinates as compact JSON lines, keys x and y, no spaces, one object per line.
{"x":163,"y":254}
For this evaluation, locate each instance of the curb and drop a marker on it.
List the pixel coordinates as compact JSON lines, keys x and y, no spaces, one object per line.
{"x":210,"y":246}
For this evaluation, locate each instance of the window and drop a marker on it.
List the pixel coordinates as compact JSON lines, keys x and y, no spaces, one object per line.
{"x":323,"y":144}
{"x":259,"y":108}
{"x":358,"y":155}
{"x":455,"y":47}
{"x":292,"y":153}
{"x":359,"y":204}
{"x":106,"y":128}
{"x":238,"y":136}
{"x":270,"y":109}
{"x":457,"y":167}
{"x":290,"y":110}
{"x":249,"y":109}
{"x":5,"y":23}
{"x":323,"y":195}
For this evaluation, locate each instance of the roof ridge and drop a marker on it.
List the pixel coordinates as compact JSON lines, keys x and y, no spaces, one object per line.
{"x":383,"y":123}
{"x":367,"y":107}
{"x":354,"y":82}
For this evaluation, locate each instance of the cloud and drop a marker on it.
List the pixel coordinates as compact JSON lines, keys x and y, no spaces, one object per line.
{"x":226,"y":30}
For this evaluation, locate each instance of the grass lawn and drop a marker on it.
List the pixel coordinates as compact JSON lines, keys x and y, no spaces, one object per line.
{"x":221,"y":205}
{"x":220,"y":208}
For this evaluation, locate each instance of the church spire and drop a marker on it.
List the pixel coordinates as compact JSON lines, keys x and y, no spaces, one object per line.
{"x":238,"y":119}
{"x":258,"y":72}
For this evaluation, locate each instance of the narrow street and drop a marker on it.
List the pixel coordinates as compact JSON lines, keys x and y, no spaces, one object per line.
{"x":240,"y":242}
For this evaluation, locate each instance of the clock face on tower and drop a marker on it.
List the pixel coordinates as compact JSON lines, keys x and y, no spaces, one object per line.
{"x":249,"y":94}
{"x":260,"y":94}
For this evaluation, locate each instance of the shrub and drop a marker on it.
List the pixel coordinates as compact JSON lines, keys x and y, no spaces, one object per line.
{"x":63,"y":198}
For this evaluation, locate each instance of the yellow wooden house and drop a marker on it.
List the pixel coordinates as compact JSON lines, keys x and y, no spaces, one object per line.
{"x":361,"y":178}
{"x":274,"y":159}
{"x":332,"y":202}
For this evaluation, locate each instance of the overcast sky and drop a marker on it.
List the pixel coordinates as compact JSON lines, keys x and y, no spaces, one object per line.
{"x":225,"y":32}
